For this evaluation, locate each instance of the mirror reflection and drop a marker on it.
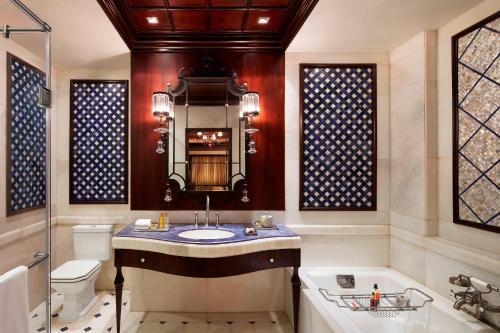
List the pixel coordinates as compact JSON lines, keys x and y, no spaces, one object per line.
{"x":208,"y":153}
{"x":207,"y":137}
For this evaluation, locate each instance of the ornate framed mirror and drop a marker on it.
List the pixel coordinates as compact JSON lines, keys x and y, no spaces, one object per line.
{"x":205,"y":128}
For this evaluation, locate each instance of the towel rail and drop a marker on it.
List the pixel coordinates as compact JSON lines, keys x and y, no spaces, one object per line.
{"x":39,"y":257}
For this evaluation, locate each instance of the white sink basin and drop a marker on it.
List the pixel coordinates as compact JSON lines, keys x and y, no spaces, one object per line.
{"x":206,"y":234}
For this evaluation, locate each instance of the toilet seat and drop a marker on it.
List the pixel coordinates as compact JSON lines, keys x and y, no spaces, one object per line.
{"x":74,"y":271}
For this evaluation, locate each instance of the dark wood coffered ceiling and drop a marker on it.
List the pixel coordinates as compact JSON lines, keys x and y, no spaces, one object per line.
{"x":207,"y":24}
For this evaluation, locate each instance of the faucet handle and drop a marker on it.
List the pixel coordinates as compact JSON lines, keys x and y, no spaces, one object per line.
{"x":196,"y":219}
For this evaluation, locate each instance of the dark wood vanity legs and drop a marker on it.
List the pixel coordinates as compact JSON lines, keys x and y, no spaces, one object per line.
{"x":296,"y":298}
{"x":118,"y":290}
{"x":208,"y":268}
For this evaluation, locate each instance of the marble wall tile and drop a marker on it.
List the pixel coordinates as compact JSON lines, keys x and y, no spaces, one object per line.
{"x":408,"y":70}
{"x":409,"y":223}
{"x":476,"y":238}
{"x":431,"y":189}
{"x":336,"y":57}
{"x":254,"y":292}
{"x":445,"y":189}
{"x":347,"y":251}
{"x":408,"y":187}
{"x":408,"y":258}
{"x":407,"y":122}
{"x":431,"y":120}
{"x":154,"y":291}
{"x":383,"y":127}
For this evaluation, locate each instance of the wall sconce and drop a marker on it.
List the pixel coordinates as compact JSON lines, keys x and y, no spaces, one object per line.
{"x":249,"y":108}
{"x":163,"y":111}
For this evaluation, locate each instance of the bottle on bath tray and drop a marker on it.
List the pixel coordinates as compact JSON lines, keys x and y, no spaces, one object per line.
{"x":373,"y":302}
{"x":166,"y":221}
{"x":162,"y":221}
{"x":376,"y":292}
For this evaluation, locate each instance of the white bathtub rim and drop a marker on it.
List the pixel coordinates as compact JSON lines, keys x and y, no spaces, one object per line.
{"x":340,"y":326}
{"x":442,"y":303}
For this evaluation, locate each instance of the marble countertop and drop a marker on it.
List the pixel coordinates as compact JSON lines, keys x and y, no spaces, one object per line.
{"x":170,"y":243}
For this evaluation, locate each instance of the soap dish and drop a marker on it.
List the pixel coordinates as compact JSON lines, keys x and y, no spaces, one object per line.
{"x":250,"y":231}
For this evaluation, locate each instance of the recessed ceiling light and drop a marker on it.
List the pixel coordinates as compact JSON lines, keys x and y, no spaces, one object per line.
{"x":152,"y":20}
{"x":264,"y":20}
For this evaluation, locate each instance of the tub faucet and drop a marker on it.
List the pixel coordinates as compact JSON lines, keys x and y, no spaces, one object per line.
{"x":207,"y":213}
{"x":473,"y":295}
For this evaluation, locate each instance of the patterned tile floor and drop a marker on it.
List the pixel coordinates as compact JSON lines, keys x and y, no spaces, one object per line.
{"x":162,"y":322}
{"x":101,"y":319}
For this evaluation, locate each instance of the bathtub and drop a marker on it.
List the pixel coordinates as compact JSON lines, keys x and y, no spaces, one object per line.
{"x":321,"y":316}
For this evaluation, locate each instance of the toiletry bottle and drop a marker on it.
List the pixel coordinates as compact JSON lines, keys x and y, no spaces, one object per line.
{"x":373,"y":302}
{"x":162,"y":221}
{"x":377,"y":293}
{"x":167,"y":221}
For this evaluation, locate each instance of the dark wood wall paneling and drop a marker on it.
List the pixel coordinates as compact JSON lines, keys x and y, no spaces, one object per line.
{"x":264,"y":72}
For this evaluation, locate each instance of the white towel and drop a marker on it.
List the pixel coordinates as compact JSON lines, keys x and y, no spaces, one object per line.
{"x":14,"y":316}
{"x":143,"y":223}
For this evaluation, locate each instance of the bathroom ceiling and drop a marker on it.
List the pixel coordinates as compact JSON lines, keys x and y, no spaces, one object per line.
{"x":167,"y":25}
{"x":83,"y":37}
{"x":372,"y":25}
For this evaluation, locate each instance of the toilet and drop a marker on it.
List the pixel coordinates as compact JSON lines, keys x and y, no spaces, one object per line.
{"x":75,"y":279}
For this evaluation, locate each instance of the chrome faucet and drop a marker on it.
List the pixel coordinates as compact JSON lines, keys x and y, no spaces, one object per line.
{"x":207,"y":213}
{"x":472,"y":295}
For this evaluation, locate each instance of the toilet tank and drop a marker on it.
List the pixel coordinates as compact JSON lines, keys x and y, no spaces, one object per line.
{"x":92,"y":241}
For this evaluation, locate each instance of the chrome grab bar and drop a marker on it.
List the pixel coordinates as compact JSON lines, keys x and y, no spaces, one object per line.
{"x":39,"y":257}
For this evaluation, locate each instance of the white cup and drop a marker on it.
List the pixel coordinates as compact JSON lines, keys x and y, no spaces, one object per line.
{"x":266,"y":220}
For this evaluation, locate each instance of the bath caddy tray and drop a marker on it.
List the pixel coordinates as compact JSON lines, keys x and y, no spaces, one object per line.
{"x":391,"y":304}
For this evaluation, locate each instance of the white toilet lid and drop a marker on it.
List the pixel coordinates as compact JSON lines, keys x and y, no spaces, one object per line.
{"x":75,"y":270}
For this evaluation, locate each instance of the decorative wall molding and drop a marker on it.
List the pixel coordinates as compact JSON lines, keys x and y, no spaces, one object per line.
{"x":98,"y":142}
{"x":340,"y":230}
{"x":338,"y":163}
{"x":25,"y":138}
{"x":452,"y":250}
{"x":476,"y":134}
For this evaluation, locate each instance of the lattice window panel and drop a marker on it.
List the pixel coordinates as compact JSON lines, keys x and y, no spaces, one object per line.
{"x":25,"y":137}
{"x":99,"y":135}
{"x":476,"y":99}
{"x":338,"y":162}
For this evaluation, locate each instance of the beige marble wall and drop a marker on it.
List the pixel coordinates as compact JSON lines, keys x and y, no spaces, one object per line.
{"x":413,"y":133}
{"x":23,"y":234}
{"x":425,"y":243}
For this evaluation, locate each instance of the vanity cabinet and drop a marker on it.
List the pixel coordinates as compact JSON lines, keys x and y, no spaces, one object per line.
{"x":208,"y":268}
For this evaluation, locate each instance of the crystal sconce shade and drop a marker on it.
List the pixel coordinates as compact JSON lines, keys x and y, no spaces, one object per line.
{"x":161,"y":104}
{"x":163,"y":111}
{"x":250,"y":106}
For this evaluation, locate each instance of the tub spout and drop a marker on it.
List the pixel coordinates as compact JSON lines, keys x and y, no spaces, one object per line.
{"x":459,"y":304}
